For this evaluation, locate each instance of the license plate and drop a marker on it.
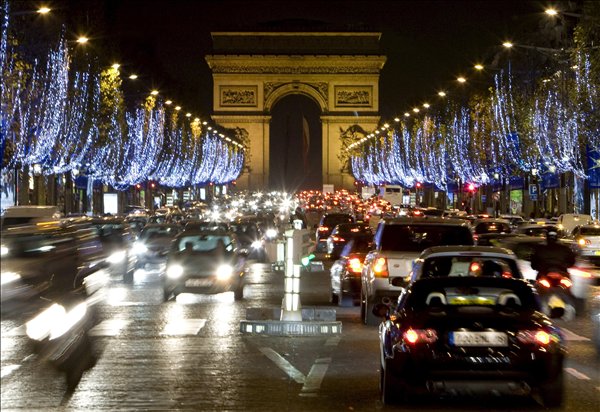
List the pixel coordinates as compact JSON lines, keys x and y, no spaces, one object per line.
{"x":195,"y":283}
{"x":478,"y":339}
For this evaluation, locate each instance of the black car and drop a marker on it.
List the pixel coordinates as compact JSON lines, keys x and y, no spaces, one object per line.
{"x":343,"y":233}
{"x":345,"y":272}
{"x":47,"y":260}
{"x":326,"y":225}
{"x":153,"y":245}
{"x":467,"y":333}
{"x":204,"y":262}
{"x":250,"y":238}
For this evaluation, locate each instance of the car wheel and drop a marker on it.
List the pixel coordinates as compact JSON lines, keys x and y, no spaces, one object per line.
{"x":362,"y":307}
{"x":238,"y":293}
{"x":552,"y":391}
{"x":392,"y":389}
{"x":335,"y":300}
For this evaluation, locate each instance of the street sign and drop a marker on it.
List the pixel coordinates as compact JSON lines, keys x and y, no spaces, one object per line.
{"x":533,"y":192}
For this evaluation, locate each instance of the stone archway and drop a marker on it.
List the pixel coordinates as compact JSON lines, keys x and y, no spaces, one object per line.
{"x":338,"y":71}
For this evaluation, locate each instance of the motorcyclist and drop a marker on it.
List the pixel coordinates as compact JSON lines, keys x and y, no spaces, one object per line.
{"x":552,"y":256}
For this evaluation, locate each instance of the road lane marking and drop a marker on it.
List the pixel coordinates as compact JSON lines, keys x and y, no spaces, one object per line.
{"x":315,"y":377}
{"x":333,"y":341}
{"x":183,"y":327}
{"x":577,"y":374}
{"x":110,"y":327}
{"x":572,"y":336}
{"x":284,"y":365}
{"x":7,"y":370}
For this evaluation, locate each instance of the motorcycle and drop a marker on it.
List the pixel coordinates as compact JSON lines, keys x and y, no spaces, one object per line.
{"x":58,"y":333}
{"x":554,"y":289}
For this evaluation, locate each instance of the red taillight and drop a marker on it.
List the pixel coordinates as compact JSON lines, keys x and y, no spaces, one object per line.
{"x":414,"y":336}
{"x":338,"y":239}
{"x":355,"y":265}
{"x":507,"y":275}
{"x":538,"y":337}
{"x":584,"y":242}
{"x":566,"y":282}
{"x":544,"y":282}
{"x":323,"y":229}
{"x":380,"y":268}
{"x":475,"y":267}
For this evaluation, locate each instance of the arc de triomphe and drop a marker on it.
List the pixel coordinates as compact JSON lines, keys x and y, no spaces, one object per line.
{"x":339,"y":71}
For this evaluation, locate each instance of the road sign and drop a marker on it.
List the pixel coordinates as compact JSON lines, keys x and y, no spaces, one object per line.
{"x":533,"y":192}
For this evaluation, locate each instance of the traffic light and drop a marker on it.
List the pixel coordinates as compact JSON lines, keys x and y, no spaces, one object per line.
{"x":138,"y":186}
{"x":152,"y":185}
{"x":471,"y":188}
{"x":418,"y":185}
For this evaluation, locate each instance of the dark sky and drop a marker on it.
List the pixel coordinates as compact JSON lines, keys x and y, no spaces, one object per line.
{"x":427,"y":43}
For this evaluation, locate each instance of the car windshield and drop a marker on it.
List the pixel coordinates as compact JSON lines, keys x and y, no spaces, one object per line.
{"x":444,"y":266}
{"x":159,"y":232}
{"x":492,"y":227}
{"x":334,"y":220}
{"x":462,"y":294}
{"x":202,"y":243}
{"x":416,"y":238}
{"x":590,"y":231}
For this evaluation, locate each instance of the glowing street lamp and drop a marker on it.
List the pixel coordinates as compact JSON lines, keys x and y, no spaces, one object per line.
{"x":478,"y":67}
{"x":406,"y":114}
{"x":82,"y":40}
{"x":426,"y":105}
{"x":43,"y":10}
{"x":507,"y":44}
{"x":133,"y":76}
{"x":116,"y":66}
{"x":461,"y":79}
{"x":416,"y":110}
{"x":442,"y":93}
{"x":551,"y":12}
{"x":154,"y":92}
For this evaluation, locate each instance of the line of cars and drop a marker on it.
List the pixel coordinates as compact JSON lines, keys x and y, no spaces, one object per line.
{"x":453,"y":316}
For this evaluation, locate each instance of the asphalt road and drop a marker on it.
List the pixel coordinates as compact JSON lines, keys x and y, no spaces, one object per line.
{"x":190,"y":355}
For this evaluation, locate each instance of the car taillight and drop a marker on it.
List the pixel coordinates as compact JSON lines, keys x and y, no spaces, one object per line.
{"x":566,"y":282}
{"x":414,"y":336}
{"x":538,"y":337}
{"x":584,"y":242}
{"x":380,"y":268}
{"x":544,"y":282}
{"x":355,"y":265}
{"x":338,"y":239}
{"x":323,"y":229}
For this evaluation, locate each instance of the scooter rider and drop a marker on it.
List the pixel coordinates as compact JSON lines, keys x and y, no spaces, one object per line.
{"x":552,"y":256}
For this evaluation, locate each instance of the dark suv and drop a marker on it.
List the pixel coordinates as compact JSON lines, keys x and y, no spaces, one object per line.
{"x":398,"y":242}
{"x":326,"y":225}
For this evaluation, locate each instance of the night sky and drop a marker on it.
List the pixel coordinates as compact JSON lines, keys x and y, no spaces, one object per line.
{"x":427,"y":43}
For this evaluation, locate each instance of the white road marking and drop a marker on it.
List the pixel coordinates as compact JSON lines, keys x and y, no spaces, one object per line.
{"x":111,"y":327}
{"x":577,"y":374}
{"x":183,"y":327}
{"x":333,"y":341}
{"x":8,"y":369}
{"x":284,"y":365}
{"x":572,"y":336}
{"x":18,"y":331}
{"x":315,"y":377}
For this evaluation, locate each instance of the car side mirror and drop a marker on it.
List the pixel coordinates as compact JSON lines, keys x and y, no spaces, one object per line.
{"x":381,"y":311}
{"x":557,"y":312}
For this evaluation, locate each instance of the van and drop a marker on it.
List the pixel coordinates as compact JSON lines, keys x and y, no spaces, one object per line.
{"x":392,"y":194}
{"x":25,"y":215}
{"x":568,"y":221}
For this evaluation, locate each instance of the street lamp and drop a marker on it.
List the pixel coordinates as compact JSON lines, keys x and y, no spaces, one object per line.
{"x":507,"y":44}
{"x":43,"y":10}
{"x":82,"y":40}
{"x":478,"y":67}
{"x":442,"y":93}
{"x":461,"y":79}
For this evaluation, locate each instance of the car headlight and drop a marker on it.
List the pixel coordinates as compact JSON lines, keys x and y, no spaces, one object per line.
{"x":174,"y":271}
{"x":8,"y":277}
{"x":139,"y":248}
{"x":54,"y":321}
{"x":224,"y":272}
{"x":117,"y":257}
{"x":257,"y":244}
{"x":271,"y":233}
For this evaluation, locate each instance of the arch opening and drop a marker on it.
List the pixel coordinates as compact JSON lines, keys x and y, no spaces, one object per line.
{"x":295,"y":155}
